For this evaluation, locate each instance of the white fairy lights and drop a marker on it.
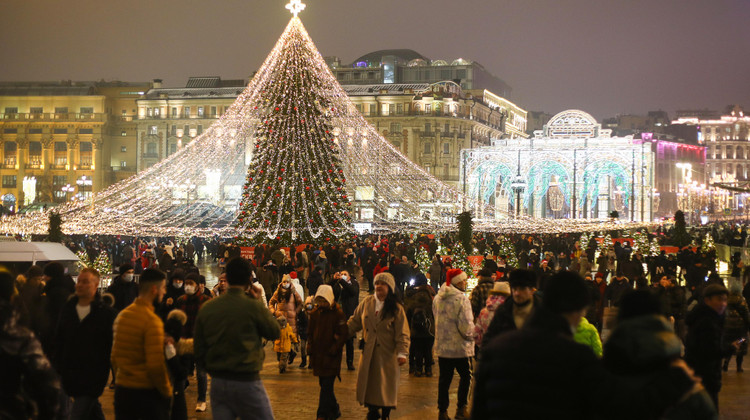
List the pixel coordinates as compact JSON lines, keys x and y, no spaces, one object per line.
{"x":383,"y":186}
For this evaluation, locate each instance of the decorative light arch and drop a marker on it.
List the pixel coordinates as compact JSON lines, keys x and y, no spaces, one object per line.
{"x":539,"y":177}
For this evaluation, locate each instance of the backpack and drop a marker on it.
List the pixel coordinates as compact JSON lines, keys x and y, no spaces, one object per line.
{"x":421,"y":324}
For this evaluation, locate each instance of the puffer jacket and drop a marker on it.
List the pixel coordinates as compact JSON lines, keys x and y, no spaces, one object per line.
{"x":588,"y":335}
{"x":454,"y":326}
{"x":485,"y":317}
{"x":284,"y":343}
{"x":288,"y":308}
{"x":138,"y":349}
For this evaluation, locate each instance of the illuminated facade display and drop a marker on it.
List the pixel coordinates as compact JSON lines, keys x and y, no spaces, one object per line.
{"x":571,"y":169}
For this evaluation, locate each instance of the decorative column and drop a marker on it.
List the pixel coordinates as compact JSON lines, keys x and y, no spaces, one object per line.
{"x":73,"y":159}
{"x":96,"y":166}
{"x":47,"y":154}
{"x":22,"y":144}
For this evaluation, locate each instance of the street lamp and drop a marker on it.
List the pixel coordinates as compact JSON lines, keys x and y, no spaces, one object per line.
{"x":83,"y":182}
{"x":518,"y":185}
{"x":67,"y":189}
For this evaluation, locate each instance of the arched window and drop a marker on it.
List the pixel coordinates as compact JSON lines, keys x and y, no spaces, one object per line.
{"x":151,"y":148}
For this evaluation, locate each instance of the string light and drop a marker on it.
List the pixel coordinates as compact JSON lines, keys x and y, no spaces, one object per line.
{"x":229,"y":192}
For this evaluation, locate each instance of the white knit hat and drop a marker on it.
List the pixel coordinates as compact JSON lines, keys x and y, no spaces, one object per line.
{"x":386,"y":278}
{"x":501,"y":288}
{"x":326,"y":292}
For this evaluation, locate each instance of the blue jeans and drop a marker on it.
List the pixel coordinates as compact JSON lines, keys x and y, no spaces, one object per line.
{"x":85,"y":408}
{"x":243,"y":399}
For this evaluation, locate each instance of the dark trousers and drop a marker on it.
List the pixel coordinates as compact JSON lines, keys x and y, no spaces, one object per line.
{"x":328,"y":407}
{"x":140,"y":404}
{"x":350,"y":352}
{"x":201,"y":377}
{"x":422,"y":350}
{"x":446,"y":377}
{"x":179,"y":404}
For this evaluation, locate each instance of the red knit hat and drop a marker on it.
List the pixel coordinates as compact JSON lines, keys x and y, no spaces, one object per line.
{"x":454,"y":275}
{"x":293,"y":274}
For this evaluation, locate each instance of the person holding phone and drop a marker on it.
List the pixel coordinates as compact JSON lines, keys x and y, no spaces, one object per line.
{"x":736,"y":326}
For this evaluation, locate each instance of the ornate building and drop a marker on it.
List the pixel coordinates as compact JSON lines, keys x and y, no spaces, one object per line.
{"x":429,"y":123}
{"x":571,"y":169}
{"x":63,"y":140}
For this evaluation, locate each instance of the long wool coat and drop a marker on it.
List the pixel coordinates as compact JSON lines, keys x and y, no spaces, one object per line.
{"x":385,"y":339}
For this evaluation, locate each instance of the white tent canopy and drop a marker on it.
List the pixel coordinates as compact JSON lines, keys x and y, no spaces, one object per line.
{"x":35,"y":251}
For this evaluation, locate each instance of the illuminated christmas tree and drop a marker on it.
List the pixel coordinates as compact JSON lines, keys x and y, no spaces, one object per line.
{"x":708,"y":243}
{"x":461,"y":260}
{"x":604,"y":244}
{"x":509,"y":250}
{"x":423,"y":258}
{"x":102,"y":264}
{"x":295,"y":186}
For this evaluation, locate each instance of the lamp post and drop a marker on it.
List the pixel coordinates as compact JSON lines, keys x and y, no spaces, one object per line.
{"x":83,"y":182}
{"x":67,"y":189}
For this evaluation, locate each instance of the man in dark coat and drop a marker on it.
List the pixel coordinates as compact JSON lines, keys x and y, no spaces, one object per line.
{"x":327,"y":332}
{"x":27,"y":376}
{"x":703,"y":345}
{"x":346,"y":292}
{"x":617,"y":287}
{"x":123,"y":288}
{"x":83,"y":346}
{"x":57,"y":290}
{"x":514,"y":312}
{"x":542,"y":360}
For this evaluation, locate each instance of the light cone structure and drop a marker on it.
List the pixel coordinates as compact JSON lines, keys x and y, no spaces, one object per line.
{"x":278,"y":123}
{"x":291,"y":160}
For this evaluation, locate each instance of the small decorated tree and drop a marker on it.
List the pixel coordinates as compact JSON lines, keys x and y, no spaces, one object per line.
{"x":509,"y":250}
{"x":102,"y":264}
{"x":423,"y":258}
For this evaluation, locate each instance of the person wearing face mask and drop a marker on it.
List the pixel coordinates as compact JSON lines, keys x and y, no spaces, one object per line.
{"x":346,"y":290}
{"x":286,"y":302}
{"x":123,"y":288}
{"x":190,"y":303}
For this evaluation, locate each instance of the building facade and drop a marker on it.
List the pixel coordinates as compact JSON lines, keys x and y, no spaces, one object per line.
{"x":571,"y":169}
{"x":409,"y":67}
{"x":429,"y":123}
{"x":727,"y":171}
{"x":60,"y":140}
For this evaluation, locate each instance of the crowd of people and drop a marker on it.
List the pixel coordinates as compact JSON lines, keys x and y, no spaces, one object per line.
{"x":599,"y":331}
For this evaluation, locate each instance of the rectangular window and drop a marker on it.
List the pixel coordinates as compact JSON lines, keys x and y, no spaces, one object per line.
{"x":173,"y":130}
{"x":174,"y":112}
{"x":200,"y":129}
{"x":373,"y":109}
{"x":200,"y":112}
{"x":152,"y":130}
{"x":150,"y":112}
{"x":123,"y":164}
{"x":186,"y":130}
{"x":427,"y":148}
{"x":447,"y":128}
{"x":395,"y":128}
{"x":35,"y":131}
{"x":157,"y":112}
{"x":60,"y":131}
{"x":399,"y":109}
{"x":86,"y":131}
{"x":9,"y":110}
{"x":427,"y":128}
{"x":61,"y":146}
{"x":36,"y":110}
{"x":187,"y":112}
{"x":10,"y":130}
{"x":445,"y":74}
{"x":61,"y":110}
{"x":427,"y":108}
{"x":59,"y":180}
{"x":213,"y":112}
{"x":123,"y":133}
{"x":461,"y":74}
{"x":87,"y":110}
{"x":9,"y":181}
{"x":123,"y":149}
{"x":446,"y":148}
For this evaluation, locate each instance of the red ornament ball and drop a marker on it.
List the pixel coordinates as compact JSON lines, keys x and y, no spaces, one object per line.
{"x":307,"y":188}
{"x":277,"y":108}
{"x":279,"y":178}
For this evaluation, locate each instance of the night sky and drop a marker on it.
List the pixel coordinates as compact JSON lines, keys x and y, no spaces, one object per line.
{"x":603,"y":56}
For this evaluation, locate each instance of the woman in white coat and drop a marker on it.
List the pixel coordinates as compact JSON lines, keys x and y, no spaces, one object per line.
{"x":385,"y":331}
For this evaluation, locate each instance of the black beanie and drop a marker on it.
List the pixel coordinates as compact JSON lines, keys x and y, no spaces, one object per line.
{"x":522,"y":278}
{"x":125,"y":267}
{"x":566,"y":291}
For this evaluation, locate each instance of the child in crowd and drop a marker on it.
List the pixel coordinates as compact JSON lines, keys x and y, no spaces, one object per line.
{"x":283,"y":345}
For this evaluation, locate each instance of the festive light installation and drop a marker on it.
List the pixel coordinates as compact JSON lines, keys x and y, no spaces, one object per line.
{"x":296,"y":116}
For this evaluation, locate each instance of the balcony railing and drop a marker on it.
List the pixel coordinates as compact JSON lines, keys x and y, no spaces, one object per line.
{"x":47,"y":116}
{"x":9,"y":163}
{"x":58,"y":166}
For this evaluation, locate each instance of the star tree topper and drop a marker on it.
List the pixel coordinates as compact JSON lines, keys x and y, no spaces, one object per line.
{"x":296,"y":6}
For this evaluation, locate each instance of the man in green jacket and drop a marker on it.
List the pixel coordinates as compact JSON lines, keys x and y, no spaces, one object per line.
{"x":228,"y":343}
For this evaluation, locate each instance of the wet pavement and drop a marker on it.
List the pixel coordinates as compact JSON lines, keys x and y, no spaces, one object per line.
{"x":294,"y":394}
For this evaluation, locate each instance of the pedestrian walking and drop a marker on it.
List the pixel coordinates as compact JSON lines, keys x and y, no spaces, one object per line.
{"x":142,"y":388}
{"x":327,"y":334}
{"x":454,"y":341}
{"x":229,"y":333}
{"x":385,"y":347}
